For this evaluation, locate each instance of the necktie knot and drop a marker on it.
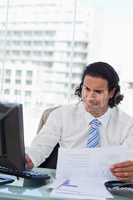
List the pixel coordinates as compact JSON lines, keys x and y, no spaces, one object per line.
{"x":95,"y":123}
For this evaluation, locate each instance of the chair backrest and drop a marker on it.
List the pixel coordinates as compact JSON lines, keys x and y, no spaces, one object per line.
{"x":51,"y":161}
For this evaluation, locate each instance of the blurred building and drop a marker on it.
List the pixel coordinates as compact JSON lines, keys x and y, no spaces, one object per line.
{"x":43,"y":49}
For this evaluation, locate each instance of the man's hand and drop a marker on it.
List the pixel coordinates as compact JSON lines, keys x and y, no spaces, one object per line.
{"x":123,"y":171}
{"x":28,"y":162}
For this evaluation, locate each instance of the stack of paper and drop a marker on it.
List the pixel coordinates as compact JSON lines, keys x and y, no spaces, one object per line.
{"x":81,"y":173}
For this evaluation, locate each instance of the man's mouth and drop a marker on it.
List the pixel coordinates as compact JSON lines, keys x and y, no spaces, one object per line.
{"x":92,"y":104}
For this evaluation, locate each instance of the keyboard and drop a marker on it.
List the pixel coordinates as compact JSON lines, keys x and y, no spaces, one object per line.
{"x":28,"y":174}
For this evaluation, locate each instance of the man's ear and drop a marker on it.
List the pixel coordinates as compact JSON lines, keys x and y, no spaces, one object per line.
{"x":112,"y":92}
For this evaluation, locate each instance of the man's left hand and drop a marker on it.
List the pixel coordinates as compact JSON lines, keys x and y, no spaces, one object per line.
{"x":123,"y":171}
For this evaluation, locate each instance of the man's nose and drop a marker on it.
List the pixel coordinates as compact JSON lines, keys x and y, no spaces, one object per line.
{"x":91,"y":95}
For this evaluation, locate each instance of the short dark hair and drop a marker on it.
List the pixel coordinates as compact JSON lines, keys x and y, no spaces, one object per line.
{"x":107,"y":72}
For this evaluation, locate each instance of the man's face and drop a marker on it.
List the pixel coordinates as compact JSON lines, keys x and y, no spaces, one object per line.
{"x":96,"y":95}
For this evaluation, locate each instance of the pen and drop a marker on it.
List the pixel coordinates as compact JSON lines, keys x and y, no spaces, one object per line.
{"x":67,"y":183}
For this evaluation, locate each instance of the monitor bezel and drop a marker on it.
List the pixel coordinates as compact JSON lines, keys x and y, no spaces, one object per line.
{"x":11,"y":123}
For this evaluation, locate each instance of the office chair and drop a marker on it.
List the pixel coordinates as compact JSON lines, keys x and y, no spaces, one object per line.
{"x":51,"y":161}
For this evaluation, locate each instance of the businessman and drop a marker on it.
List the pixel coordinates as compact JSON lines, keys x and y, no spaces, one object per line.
{"x":95,"y":121}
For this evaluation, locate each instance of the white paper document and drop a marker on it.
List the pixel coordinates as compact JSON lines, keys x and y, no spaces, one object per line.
{"x":81,"y":173}
{"x":81,"y":189}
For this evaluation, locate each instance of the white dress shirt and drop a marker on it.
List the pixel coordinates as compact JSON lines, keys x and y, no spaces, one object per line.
{"x":69,"y":126}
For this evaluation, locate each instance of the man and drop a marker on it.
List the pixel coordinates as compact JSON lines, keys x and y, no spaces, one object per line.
{"x":99,"y":93}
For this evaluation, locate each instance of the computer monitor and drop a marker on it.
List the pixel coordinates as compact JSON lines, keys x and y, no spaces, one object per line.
{"x":12,"y":151}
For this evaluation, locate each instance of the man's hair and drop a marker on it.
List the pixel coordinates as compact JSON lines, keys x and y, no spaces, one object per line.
{"x":107,"y":72}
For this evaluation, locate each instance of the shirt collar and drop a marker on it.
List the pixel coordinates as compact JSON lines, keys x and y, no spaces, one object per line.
{"x":105,"y":117}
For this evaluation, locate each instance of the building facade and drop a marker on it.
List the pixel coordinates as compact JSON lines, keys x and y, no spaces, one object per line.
{"x":43,"y":51}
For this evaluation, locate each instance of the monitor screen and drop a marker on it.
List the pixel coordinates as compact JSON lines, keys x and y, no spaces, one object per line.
{"x":12,"y":151}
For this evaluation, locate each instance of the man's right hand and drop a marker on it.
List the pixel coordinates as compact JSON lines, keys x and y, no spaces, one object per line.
{"x":28,"y":162}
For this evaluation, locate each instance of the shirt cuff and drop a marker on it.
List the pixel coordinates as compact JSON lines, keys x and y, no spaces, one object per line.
{"x":35,"y":156}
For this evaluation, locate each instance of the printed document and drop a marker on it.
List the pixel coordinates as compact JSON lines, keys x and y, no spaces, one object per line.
{"x":81,"y":173}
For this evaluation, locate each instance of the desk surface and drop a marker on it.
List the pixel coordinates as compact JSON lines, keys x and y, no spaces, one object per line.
{"x":17,"y":190}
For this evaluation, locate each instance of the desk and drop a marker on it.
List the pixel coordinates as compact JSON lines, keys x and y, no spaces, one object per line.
{"x":16,"y":190}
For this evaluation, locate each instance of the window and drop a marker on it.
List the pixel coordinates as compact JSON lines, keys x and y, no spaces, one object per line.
{"x":26,"y":43}
{"x":16,"y":33}
{"x":38,"y":33}
{"x":27,"y":33}
{"x":83,"y":45}
{"x":37,"y":53}
{"x":48,"y":43}
{"x":17,"y":92}
{"x":47,"y":53}
{"x":6,"y":91}
{"x":26,"y":53}
{"x":18,"y":81}
{"x":28,"y":82}
{"x":50,"y":33}
{"x":130,"y":85}
{"x":18,"y":72}
{"x":16,"y":42}
{"x":8,"y":72}
{"x":28,"y":93}
{"x":16,"y":53}
{"x":7,"y":80}
{"x":37,"y":43}
{"x":29,"y":73}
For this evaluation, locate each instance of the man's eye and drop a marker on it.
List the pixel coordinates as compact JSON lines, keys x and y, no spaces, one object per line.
{"x":86,"y":88}
{"x":98,"y":91}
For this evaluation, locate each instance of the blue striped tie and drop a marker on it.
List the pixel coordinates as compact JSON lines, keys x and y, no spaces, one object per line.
{"x":94,"y":136}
